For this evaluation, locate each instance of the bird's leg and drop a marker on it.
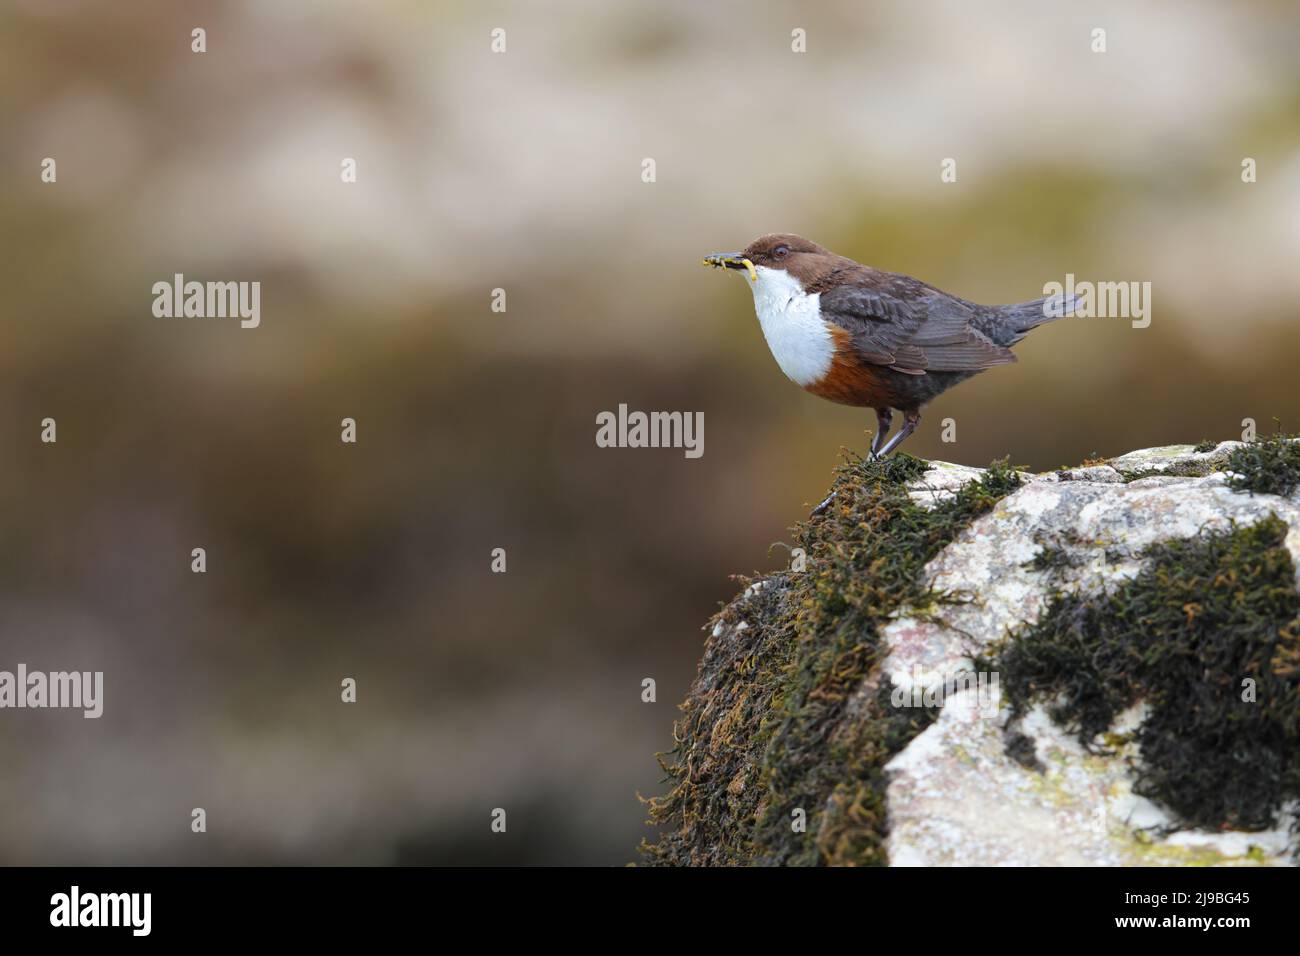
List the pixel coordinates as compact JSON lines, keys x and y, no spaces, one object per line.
{"x":910,"y":421}
{"x":884,"y":418}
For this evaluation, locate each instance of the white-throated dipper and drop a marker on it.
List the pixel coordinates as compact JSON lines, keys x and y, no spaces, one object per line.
{"x":858,"y":336}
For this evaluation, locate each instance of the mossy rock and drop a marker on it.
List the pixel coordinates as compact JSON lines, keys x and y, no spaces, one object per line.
{"x":847,"y":710}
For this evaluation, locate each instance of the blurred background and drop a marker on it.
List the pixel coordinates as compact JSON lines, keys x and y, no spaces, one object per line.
{"x":522,"y":170}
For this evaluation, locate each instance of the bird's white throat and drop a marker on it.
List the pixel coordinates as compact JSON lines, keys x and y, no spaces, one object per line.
{"x":792,"y":324}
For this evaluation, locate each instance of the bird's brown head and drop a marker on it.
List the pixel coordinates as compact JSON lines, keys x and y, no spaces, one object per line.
{"x":800,"y":257}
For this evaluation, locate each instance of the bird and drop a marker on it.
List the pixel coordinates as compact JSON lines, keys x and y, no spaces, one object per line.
{"x":859,"y":336}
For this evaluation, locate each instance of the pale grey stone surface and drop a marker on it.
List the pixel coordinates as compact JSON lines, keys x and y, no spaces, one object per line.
{"x":955,"y":796}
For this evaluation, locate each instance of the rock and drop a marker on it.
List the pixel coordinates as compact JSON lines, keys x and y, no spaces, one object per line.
{"x":865,"y":692}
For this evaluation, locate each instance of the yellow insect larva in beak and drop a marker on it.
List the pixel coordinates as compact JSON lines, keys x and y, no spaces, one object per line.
{"x":730,"y":261}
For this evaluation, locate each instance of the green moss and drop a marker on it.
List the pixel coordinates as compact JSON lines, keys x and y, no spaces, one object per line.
{"x":1204,"y":615}
{"x":1205,"y":446}
{"x":1020,"y":748}
{"x":1139,"y":473}
{"x":793,"y":712}
{"x":1191,"y":468}
{"x":1056,"y":554}
{"x":1269,"y":466}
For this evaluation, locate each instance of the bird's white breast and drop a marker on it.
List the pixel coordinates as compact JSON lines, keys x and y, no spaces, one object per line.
{"x":792,"y":324}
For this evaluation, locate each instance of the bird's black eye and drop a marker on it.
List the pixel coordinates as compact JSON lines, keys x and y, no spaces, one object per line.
{"x":780,"y":252}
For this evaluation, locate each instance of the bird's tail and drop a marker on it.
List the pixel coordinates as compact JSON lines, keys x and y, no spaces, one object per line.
{"x":1023,"y":316}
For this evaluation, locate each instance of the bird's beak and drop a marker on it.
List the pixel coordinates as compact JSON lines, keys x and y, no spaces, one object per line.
{"x":730,"y":260}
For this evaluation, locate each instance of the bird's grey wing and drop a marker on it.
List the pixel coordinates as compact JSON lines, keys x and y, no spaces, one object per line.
{"x":950,"y":339}
{"x":902,"y":323}
{"x":880,"y":324}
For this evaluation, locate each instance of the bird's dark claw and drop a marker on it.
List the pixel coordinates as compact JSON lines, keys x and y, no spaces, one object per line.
{"x":826,"y":503}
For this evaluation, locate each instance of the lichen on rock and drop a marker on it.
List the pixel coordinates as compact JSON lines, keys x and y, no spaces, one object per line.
{"x":1122,"y":605}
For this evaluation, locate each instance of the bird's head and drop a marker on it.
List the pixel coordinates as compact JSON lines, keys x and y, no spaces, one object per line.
{"x":779,"y":251}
